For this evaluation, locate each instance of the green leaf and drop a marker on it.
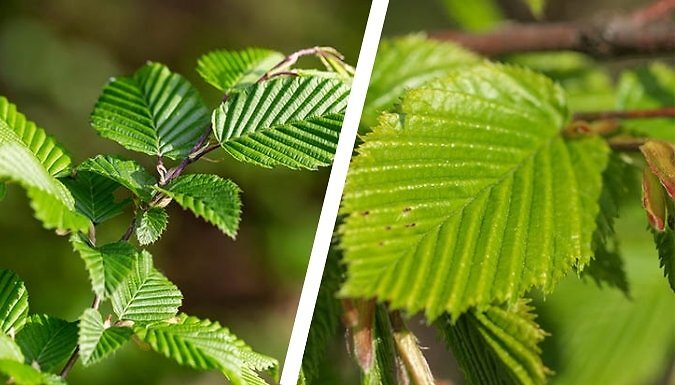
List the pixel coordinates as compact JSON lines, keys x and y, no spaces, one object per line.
{"x":498,"y":346}
{"x":450,"y":204}
{"x":47,"y":341}
{"x":155,"y":111}
{"x":476,"y":15}
{"x":97,"y":339}
{"x":292,"y":122}
{"x":9,"y":350}
{"x":383,"y":371}
{"x":146,"y":295}
{"x":3,"y":191}
{"x":151,"y":225}
{"x":109,"y":266}
{"x":406,"y":63}
{"x":233,"y":70}
{"x":536,"y":7}
{"x":94,"y":197}
{"x":210,"y":197}
{"x":128,"y":173}
{"x":49,"y":153}
{"x":13,"y":302}
{"x":646,"y":88}
{"x":22,"y":374}
{"x":665,"y":245}
{"x":54,"y":213}
{"x":204,"y":345}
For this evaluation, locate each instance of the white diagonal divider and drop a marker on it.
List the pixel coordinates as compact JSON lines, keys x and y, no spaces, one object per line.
{"x":331,"y":202}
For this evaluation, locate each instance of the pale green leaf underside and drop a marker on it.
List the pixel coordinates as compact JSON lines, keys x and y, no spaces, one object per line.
{"x":94,"y":197}
{"x":13,"y":302}
{"x":9,"y":350}
{"x":23,"y":374}
{"x":154,"y":111}
{"x":292,"y":122}
{"x":498,"y":346}
{"x":452,"y":204}
{"x":205,"y":345}
{"x":146,"y":295}
{"x":47,"y":341}
{"x":231,"y":70}
{"x":44,"y":147}
{"x":409,"y":62}
{"x":96,"y":340}
{"x":127,"y":173}
{"x":151,"y":225}
{"x":209,"y":197}
{"x":108,"y":265}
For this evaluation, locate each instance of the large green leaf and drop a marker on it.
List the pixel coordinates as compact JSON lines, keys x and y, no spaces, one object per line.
{"x":498,"y":346}
{"x":292,"y":122}
{"x":409,"y":62}
{"x":146,"y":295}
{"x":54,"y":214}
{"x":232,"y":70}
{"x":151,"y":224}
{"x":451,"y":203}
{"x":127,"y":173}
{"x":47,"y":342}
{"x":19,"y":373}
{"x":204,"y":345}
{"x":154,"y":111}
{"x":210,"y":197}
{"x":13,"y":302}
{"x":52,"y":157}
{"x":108,"y":265}
{"x":97,"y":339}
{"x":94,"y":197}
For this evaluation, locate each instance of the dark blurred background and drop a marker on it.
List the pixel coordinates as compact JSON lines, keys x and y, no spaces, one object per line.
{"x":55,"y":56}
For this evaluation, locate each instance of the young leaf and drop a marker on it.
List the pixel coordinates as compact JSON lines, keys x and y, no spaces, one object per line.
{"x":46,"y":341}
{"x":151,"y":225}
{"x":292,"y":122}
{"x":128,"y":173}
{"x":458,"y":195}
{"x":13,"y":302}
{"x":498,"y":346}
{"x":665,"y":245}
{"x":50,"y":154}
{"x":660,"y":157}
{"x":406,"y":63}
{"x":145,"y":295}
{"x":22,"y":374}
{"x":94,"y":197}
{"x":97,"y":339}
{"x":155,"y":111}
{"x":204,"y":345}
{"x":233,"y":70}
{"x":210,"y":197}
{"x":384,"y":369}
{"x":9,"y":350}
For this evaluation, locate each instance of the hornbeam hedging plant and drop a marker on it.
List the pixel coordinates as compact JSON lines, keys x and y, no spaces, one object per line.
{"x":475,"y":184}
{"x":272,"y":114}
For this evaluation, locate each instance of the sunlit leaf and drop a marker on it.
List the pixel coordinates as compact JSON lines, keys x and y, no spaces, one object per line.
{"x":13,"y":302}
{"x":232,"y":70}
{"x":151,"y":225}
{"x":127,"y":173}
{"x":98,"y":340}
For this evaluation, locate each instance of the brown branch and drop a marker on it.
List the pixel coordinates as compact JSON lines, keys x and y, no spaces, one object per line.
{"x":655,"y":11}
{"x":666,"y":112}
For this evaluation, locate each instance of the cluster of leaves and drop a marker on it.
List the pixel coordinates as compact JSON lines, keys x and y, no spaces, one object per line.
{"x":475,"y":188}
{"x":271,"y":115}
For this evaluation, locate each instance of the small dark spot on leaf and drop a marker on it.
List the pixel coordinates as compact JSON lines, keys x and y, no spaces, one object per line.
{"x":381,"y":243}
{"x":387,"y":228}
{"x":365,"y":213}
{"x":407,"y":210}
{"x":410,"y":225}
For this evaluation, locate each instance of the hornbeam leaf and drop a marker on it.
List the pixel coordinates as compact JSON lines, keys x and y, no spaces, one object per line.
{"x":292,"y":122}
{"x":44,"y":147}
{"x":98,"y":340}
{"x":155,"y":111}
{"x":54,"y":214}
{"x":151,"y":225}
{"x":13,"y":302}
{"x":9,"y":350}
{"x":47,"y":341}
{"x":457,"y":195}
{"x":128,"y":173}
{"x":232,"y":70}
{"x":210,"y":197}
{"x":204,"y":345}
{"x":665,"y":245}
{"x":94,"y":197}
{"x":406,"y":63}
{"x":108,"y":265}
{"x":22,"y":374}
{"x":498,"y":346}
{"x":660,"y":157}
{"x":146,"y":295}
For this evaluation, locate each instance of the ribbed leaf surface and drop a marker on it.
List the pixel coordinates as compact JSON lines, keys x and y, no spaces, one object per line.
{"x":292,"y":122}
{"x":497,"y":347}
{"x":94,"y":197}
{"x":231,"y":70}
{"x":128,"y":173}
{"x":210,"y":197}
{"x":98,"y":340}
{"x":154,"y":111}
{"x":204,"y":345}
{"x":451,"y":203}
{"x":52,"y":157}
{"x":146,"y":295}
{"x":54,"y":214}
{"x":151,"y":225}
{"x":47,"y":341}
{"x":665,"y":245}
{"x":13,"y":302}
{"x":406,"y":63}
{"x":108,"y":265}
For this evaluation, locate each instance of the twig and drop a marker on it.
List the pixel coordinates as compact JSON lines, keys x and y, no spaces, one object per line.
{"x":658,"y":10}
{"x":76,"y":353}
{"x":666,"y":112}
